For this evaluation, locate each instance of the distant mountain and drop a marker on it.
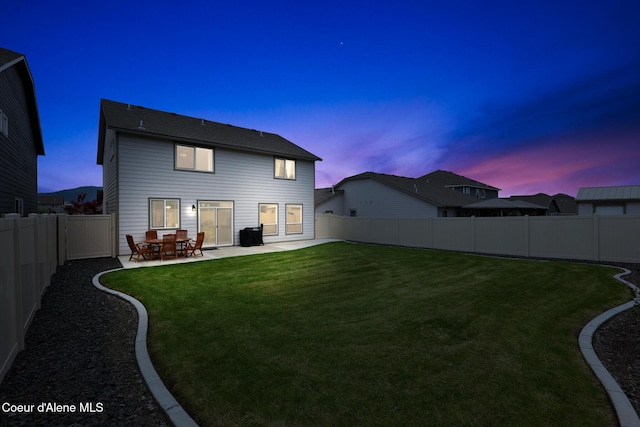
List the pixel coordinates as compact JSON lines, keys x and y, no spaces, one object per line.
{"x":72,"y":194}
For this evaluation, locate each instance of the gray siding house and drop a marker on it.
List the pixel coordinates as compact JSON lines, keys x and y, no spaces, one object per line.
{"x":20,"y":136}
{"x":163,"y":171}
{"x":437,"y":194}
{"x":621,"y":200}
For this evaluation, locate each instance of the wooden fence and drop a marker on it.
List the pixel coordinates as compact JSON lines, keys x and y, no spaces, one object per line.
{"x":33,"y":248}
{"x":609,"y":238}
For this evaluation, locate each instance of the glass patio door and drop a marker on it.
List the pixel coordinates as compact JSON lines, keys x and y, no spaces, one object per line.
{"x":216,"y":220}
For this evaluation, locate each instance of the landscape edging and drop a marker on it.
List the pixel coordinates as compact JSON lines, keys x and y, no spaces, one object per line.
{"x":627,"y":415}
{"x":174,"y":411}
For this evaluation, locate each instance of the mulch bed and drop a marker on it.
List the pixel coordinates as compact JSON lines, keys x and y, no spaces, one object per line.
{"x":80,"y":351}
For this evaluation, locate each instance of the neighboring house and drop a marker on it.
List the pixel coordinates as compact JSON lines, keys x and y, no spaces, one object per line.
{"x":163,"y":171}
{"x":623,"y":200}
{"x":20,"y":136}
{"x":440,"y":193}
{"x":50,"y":204}
{"x":558,"y":204}
{"x":503,"y":207}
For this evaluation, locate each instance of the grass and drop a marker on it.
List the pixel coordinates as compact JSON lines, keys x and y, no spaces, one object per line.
{"x":344,"y":334}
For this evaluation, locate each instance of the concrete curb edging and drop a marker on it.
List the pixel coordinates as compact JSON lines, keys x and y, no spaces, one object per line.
{"x":176,"y":413}
{"x":627,"y":415}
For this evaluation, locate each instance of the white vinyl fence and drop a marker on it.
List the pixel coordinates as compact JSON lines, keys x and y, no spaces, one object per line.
{"x":609,"y":238}
{"x":33,"y":248}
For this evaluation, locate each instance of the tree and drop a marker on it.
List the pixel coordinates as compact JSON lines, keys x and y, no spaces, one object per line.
{"x":80,"y":207}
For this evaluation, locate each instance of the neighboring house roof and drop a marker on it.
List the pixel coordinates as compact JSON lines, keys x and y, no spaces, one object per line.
{"x":626,"y":192}
{"x":497,"y":203}
{"x":9,"y":59}
{"x":321,"y":195}
{"x":436,"y":193}
{"x":144,"y":121}
{"x":444,"y":178}
{"x":564,"y":204}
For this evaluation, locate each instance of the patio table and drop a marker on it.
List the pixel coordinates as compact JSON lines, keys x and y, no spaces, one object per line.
{"x":153,"y":243}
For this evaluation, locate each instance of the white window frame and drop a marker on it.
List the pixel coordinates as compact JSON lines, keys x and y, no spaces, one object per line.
{"x":284,"y":168}
{"x":198,"y":155}
{"x":166,"y":204}
{"x":267,"y":227}
{"x":289,"y":225}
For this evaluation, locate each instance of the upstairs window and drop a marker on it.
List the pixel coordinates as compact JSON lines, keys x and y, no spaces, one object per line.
{"x":194,"y":158}
{"x":285,"y":168}
{"x":4,"y":124}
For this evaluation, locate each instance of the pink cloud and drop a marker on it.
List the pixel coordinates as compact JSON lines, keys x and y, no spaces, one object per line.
{"x":558,"y":166}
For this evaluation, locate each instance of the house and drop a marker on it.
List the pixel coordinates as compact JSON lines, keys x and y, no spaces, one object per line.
{"x":164,"y":171}
{"x":622,"y":200}
{"x":20,"y":136}
{"x":50,"y":204}
{"x":558,"y":204}
{"x":439,"y":193}
{"x":503,"y":207}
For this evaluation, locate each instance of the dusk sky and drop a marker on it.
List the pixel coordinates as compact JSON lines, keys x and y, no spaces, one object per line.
{"x":539,"y":96}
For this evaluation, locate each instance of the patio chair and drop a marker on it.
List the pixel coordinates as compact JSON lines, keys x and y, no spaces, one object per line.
{"x":168,"y":248}
{"x":154,"y":249}
{"x":192,"y":248}
{"x":182,"y":238}
{"x":138,"y":249}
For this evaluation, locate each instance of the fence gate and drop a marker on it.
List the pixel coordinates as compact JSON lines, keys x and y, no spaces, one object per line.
{"x":90,"y":236}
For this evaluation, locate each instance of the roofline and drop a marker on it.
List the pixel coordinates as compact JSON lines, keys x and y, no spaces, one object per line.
{"x":32,"y":88}
{"x":103,"y":125}
{"x":216,"y":144}
{"x":374,"y":176}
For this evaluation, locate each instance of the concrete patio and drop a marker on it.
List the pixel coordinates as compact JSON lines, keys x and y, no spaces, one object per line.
{"x":226,"y":252}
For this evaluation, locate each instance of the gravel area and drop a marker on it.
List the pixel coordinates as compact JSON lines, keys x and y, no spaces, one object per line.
{"x":617,"y":344}
{"x":80,"y":351}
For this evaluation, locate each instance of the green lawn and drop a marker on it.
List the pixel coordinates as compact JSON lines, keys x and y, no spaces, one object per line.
{"x":343,"y":335}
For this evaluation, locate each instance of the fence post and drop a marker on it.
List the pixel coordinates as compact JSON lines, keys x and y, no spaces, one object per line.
{"x":36,"y":260}
{"x":473,"y":233}
{"x":596,"y":237}
{"x":114,"y":235}
{"x":62,"y":239}
{"x":526,"y":236}
{"x":17,"y":277}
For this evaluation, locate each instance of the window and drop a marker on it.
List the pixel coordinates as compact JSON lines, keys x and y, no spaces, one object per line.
{"x":285,"y":169}
{"x":294,"y":219}
{"x":4,"y":124}
{"x":480,"y":193}
{"x":269,"y":219}
{"x":194,"y":158}
{"x":353,"y":212}
{"x":164,"y":213}
{"x":19,"y":206}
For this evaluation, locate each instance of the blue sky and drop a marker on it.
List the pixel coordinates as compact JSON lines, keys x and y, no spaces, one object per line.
{"x":529,"y":97}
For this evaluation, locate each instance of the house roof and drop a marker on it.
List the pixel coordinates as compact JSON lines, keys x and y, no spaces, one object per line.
{"x":566,"y":204}
{"x":321,"y":195}
{"x":541,"y":199}
{"x":10,"y":59}
{"x":444,"y":178}
{"x":625,"y":192}
{"x":145,"y":121}
{"x":497,"y":203}
{"x":433,"y":191}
